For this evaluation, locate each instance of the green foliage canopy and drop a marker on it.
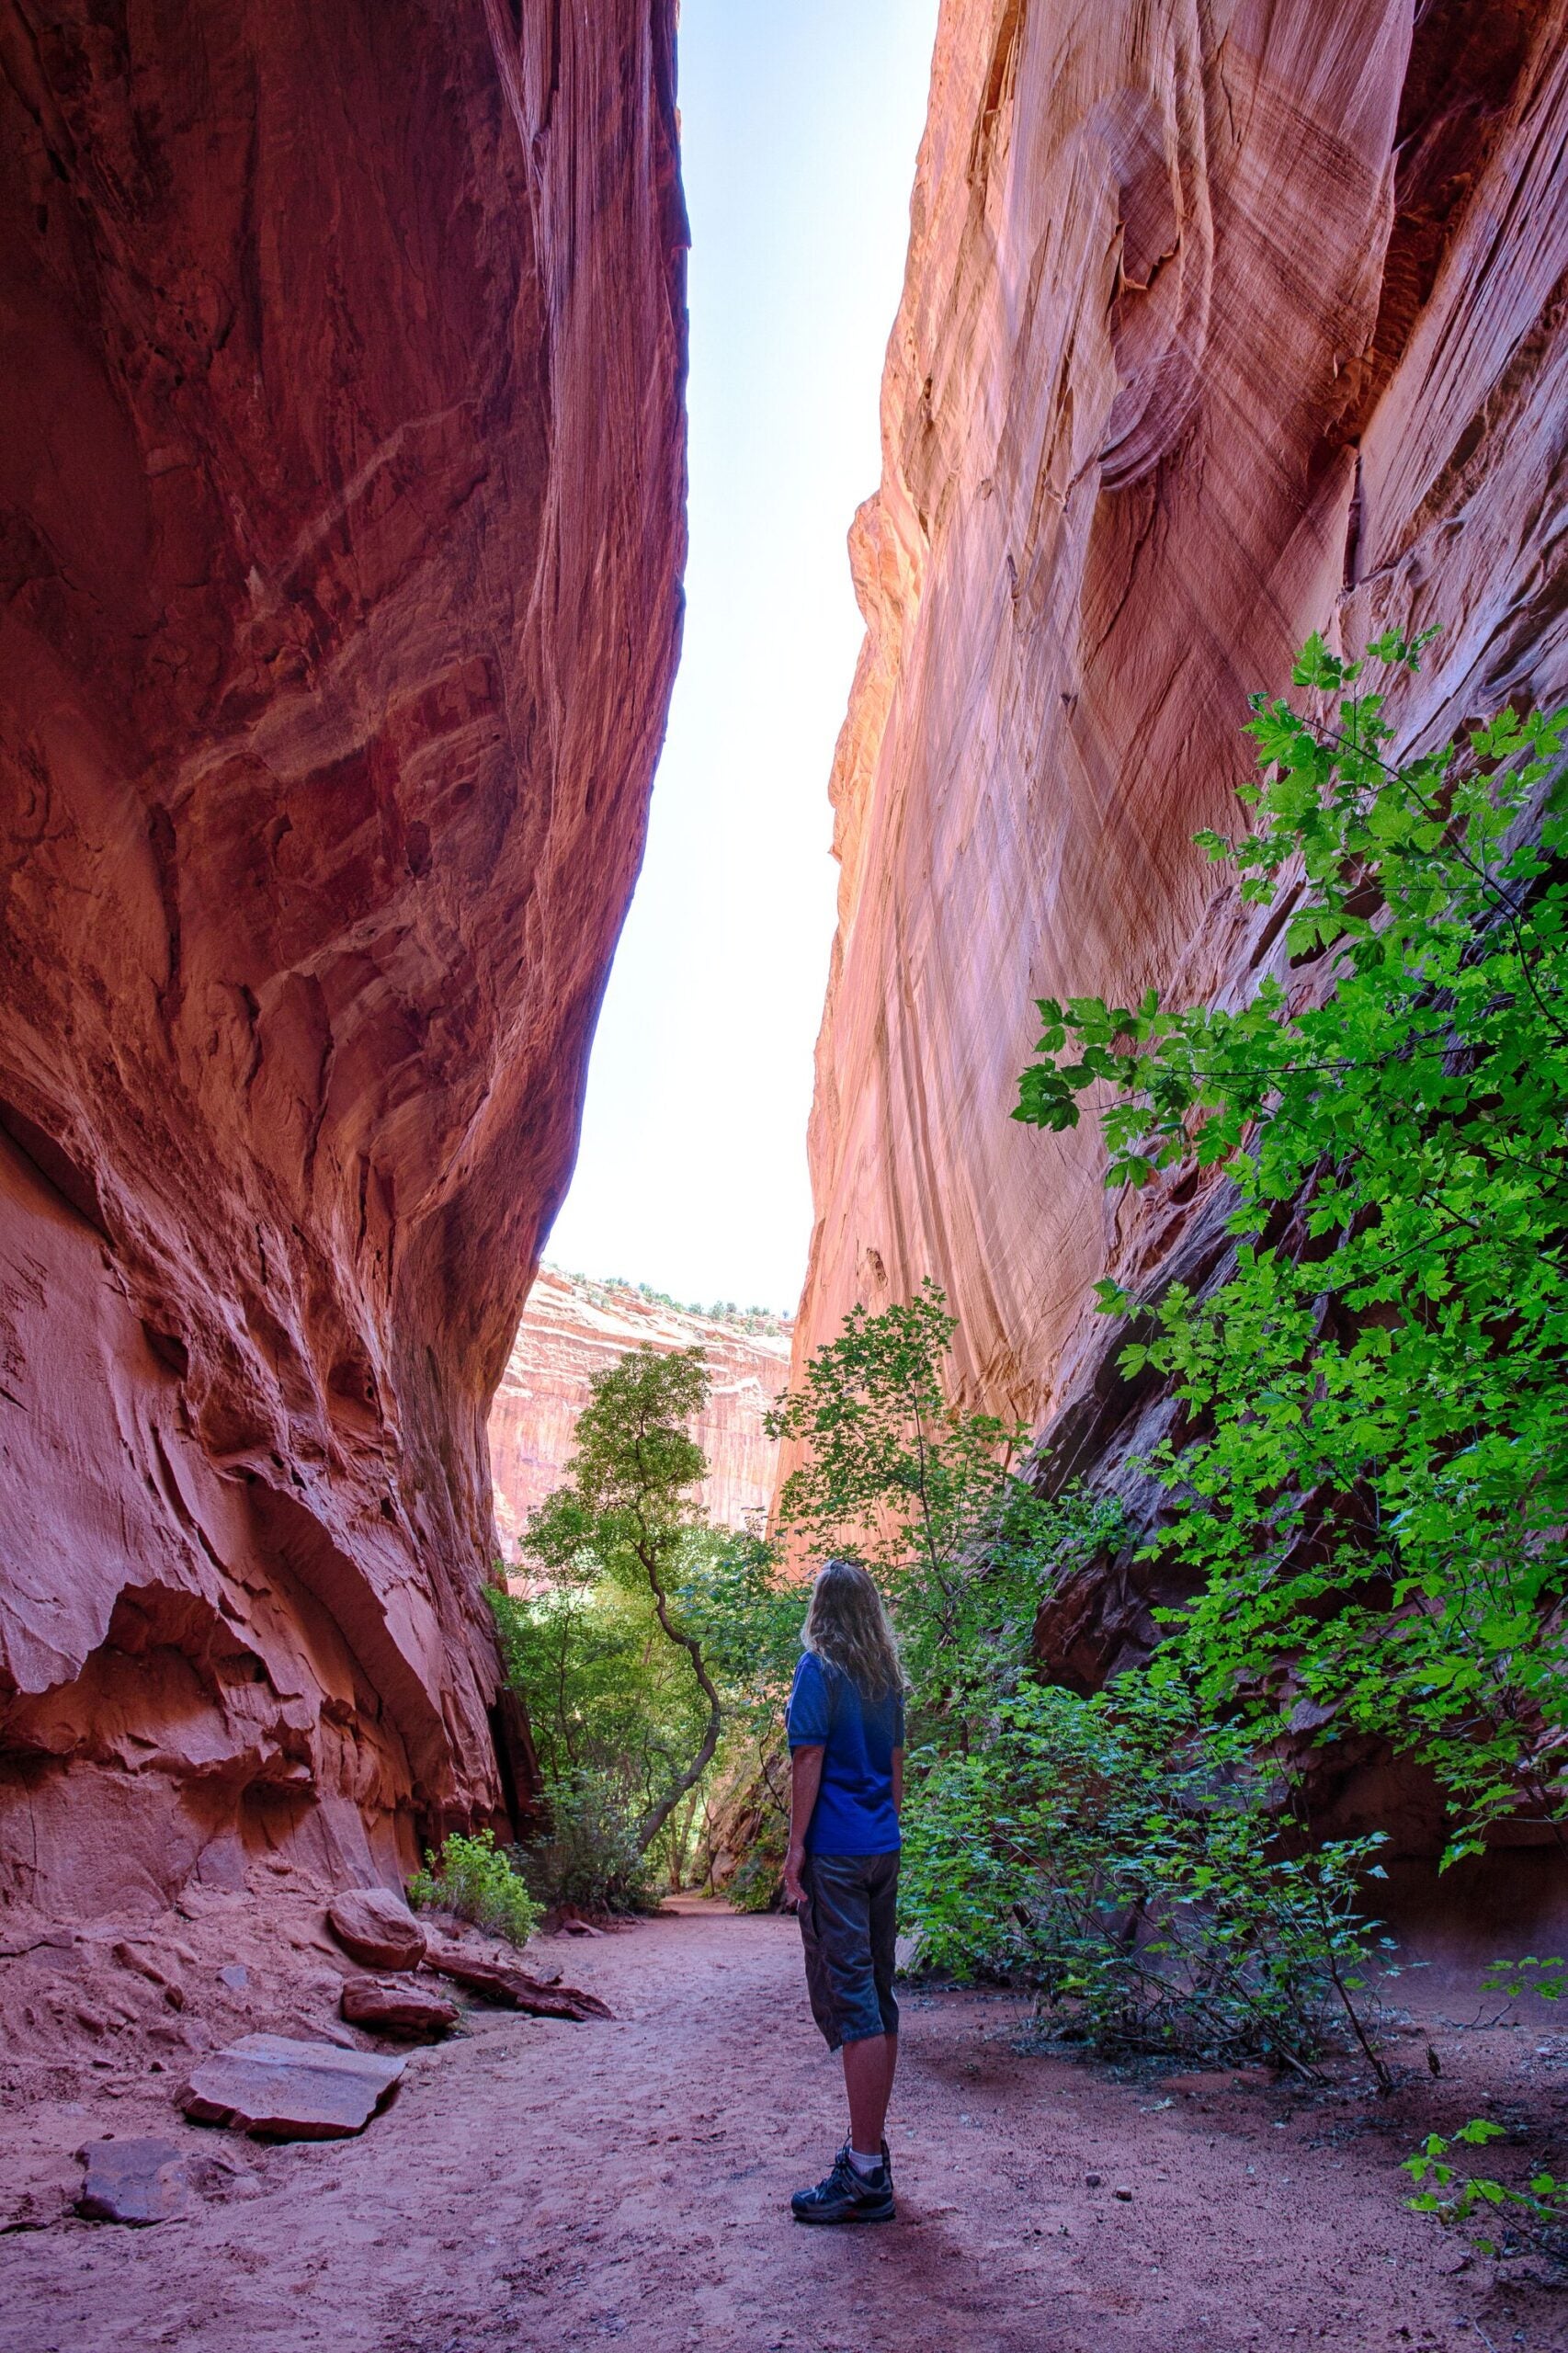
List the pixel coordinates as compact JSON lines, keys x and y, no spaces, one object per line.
{"x":927,"y":1495}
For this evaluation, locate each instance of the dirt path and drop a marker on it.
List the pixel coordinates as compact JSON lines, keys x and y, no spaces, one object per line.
{"x":538,"y":2185}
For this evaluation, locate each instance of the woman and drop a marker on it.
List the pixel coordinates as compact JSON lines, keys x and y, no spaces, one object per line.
{"x":846,"y":1732}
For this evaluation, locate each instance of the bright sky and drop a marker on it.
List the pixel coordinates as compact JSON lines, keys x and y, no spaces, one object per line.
{"x":800,"y":129}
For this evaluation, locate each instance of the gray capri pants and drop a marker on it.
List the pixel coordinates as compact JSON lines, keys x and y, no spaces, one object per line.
{"x":848,"y":1924}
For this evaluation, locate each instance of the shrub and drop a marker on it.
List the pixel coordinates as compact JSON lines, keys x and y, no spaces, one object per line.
{"x":1123,"y":1858}
{"x":1534,"y":2217}
{"x":755,"y":1882}
{"x":472,"y":1878}
{"x":590,"y":1859}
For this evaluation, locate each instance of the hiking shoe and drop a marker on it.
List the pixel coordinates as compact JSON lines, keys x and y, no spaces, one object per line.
{"x":846,"y":2196}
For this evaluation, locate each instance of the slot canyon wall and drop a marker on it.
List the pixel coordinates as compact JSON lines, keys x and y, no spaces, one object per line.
{"x":343,"y":489}
{"x":1220,"y":325}
{"x":572,"y":1328}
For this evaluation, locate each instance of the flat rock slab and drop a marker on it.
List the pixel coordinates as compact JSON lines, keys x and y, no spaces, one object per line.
{"x":514,"y":1988}
{"x":277,"y":2089}
{"x":376,"y":1929}
{"x":137,"y":2181}
{"x":394,"y":2006}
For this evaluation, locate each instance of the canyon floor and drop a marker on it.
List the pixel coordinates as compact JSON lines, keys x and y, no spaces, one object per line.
{"x":538,"y":2185}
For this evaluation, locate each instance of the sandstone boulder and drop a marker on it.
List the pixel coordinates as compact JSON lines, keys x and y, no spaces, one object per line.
{"x":397,"y":2006}
{"x":138,"y":2181}
{"x":514,"y":1989}
{"x":280,"y":2090}
{"x":376,"y":1929}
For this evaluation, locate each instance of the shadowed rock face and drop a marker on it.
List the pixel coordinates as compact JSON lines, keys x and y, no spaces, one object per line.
{"x":341,"y":522}
{"x":1220,"y":325}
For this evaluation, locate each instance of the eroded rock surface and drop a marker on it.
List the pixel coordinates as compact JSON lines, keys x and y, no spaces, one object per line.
{"x":1219,"y":326}
{"x":571,"y":1329}
{"x":341,"y":524}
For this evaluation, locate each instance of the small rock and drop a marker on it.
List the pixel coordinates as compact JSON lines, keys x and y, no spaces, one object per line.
{"x":235,"y":1976}
{"x":376,"y":1929}
{"x":146,"y":1961}
{"x":280,"y":2090}
{"x":392,"y":2005}
{"x":139,"y":2182}
{"x":216,"y":2174}
{"x":1125,"y":2195}
{"x":1093,"y":2180}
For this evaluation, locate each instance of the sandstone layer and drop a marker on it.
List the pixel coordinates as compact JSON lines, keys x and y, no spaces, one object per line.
{"x":1219,"y":325}
{"x":342,"y":521}
{"x":571,"y":1329}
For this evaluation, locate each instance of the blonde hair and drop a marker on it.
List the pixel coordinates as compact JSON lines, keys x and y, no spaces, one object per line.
{"x":847,"y":1628}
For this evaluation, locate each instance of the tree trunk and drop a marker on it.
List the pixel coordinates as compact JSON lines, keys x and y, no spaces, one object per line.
{"x":655,"y":1820}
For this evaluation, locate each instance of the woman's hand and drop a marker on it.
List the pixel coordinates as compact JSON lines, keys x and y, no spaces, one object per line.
{"x":805,"y":1780}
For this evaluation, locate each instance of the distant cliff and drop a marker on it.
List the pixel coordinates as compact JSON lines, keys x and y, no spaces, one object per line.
{"x":571,"y":1329}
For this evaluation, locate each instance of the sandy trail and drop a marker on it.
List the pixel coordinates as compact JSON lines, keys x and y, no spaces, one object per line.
{"x":539,"y":2185}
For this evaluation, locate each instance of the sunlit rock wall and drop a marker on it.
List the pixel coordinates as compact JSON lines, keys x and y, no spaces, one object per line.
{"x":1221,"y":324}
{"x":571,"y":1329}
{"x":342,"y":521}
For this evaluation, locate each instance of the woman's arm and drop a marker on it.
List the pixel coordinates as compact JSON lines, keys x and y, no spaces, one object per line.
{"x":805,"y":1780}
{"x":898,"y":1780}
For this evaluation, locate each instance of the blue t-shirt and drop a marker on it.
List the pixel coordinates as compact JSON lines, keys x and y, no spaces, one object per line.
{"x":854,"y":1814}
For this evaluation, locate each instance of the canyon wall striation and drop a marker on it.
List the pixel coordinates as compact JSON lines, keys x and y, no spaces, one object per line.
{"x":342,"y":522}
{"x":1220,"y":325}
{"x":572,"y":1328}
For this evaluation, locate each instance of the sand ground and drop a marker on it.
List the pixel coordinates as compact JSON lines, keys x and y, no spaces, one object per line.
{"x":538,"y":2185}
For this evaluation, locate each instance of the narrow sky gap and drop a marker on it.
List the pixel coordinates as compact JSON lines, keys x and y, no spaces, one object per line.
{"x":801,"y":128}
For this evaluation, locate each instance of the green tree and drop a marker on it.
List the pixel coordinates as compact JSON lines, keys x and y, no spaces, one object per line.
{"x":625,"y":1524}
{"x":1372,"y":1498}
{"x":929,"y":1496}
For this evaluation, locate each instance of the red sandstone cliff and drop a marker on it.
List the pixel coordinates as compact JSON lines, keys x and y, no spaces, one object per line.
{"x":342,"y":482}
{"x":1219,"y":325}
{"x":571,"y":1329}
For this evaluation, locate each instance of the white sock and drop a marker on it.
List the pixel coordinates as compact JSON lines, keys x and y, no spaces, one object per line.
{"x":865,"y":2164}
